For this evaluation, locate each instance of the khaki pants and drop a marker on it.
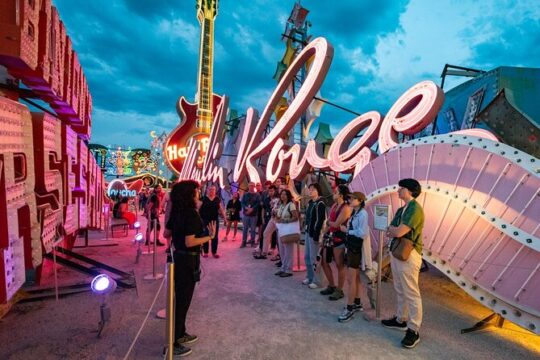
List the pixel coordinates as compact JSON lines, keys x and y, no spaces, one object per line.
{"x":409,"y":302}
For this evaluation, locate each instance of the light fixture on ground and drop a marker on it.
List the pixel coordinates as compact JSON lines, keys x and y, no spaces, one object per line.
{"x":137,"y":225}
{"x":138,"y":240}
{"x":103,"y":285}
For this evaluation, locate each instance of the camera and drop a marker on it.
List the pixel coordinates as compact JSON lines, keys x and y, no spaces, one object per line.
{"x":328,"y":239}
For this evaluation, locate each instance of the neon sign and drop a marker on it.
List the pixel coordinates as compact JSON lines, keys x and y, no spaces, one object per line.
{"x":119,"y":188}
{"x":174,"y":152}
{"x":412,"y":112}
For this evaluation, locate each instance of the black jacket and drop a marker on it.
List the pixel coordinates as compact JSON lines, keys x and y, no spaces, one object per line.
{"x":315,"y":217}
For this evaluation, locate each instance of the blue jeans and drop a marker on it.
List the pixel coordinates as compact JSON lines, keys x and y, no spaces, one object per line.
{"x":310,"y":257}
{"x":249,"y":222}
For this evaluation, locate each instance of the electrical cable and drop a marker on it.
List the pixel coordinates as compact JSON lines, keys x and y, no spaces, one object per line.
{"x":145,"y":320}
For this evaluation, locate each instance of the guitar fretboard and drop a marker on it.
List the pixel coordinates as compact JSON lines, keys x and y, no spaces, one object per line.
{"x":206,"y":61}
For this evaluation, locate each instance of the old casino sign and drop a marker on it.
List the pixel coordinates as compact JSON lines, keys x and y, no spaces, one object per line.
{"x":413,"y":111}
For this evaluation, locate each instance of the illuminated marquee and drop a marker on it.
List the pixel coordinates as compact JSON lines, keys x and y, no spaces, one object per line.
{"x":413,"y":111}
{"x":119,"y":188}
{"x":174,"y":152}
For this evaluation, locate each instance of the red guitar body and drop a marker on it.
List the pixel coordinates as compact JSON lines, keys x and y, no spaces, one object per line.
{"x":176,"y":146}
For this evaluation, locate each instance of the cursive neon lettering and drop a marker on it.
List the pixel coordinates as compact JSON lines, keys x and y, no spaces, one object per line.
{"x":412,"y":112}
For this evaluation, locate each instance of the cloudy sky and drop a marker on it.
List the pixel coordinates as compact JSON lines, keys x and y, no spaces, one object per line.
{"x":139,"y":56}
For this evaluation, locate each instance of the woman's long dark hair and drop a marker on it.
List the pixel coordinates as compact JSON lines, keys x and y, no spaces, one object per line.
{"x":288,"y":193}
{"x":183,"y":196}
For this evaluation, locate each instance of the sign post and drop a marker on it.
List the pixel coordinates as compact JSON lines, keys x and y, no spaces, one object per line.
{"x":380,"y":222}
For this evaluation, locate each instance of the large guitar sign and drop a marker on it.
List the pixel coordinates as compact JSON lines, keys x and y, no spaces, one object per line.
{"x":196,"y":119}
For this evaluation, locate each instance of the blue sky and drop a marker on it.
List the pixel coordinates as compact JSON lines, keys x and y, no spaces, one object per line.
{"x":139,"y":56}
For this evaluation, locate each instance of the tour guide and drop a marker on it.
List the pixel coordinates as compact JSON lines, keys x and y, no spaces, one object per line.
{"x":408,"y":223}
{"x":186,"y":227}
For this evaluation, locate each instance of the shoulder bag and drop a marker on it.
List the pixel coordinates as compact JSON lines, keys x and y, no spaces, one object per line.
{"x":401,"y":247}
{"x":289,"y":232}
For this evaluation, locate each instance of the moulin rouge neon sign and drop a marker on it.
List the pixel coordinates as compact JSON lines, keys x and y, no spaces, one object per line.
{"x":412,"y":112}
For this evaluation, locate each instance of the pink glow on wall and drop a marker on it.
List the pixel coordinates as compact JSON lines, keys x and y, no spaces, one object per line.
{"x":18,"y":223}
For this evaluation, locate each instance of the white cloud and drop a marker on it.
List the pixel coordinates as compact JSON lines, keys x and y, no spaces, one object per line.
{"x":253,"y":45}
{"x":430,"y":35}
{"x":187,"y":32}
{"x":96,"y":65}
{"x":256,"y":99}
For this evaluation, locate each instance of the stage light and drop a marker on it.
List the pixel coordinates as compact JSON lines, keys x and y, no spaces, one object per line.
{"x":138,"y":238}
{"x":103,"y":284}
{"x":137,"y":225}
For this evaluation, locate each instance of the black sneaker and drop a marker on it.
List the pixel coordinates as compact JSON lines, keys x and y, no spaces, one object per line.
{"x":285,"y":274}
{"x":279,"y":273}
{"x":187,"y":339}
{"x":358,"y":307}
{"x":179,"y":351}
{"x":394,"y":324}
{"x":278,"y":264}
{"x":411,"y":339}
{"x":329,"y":290}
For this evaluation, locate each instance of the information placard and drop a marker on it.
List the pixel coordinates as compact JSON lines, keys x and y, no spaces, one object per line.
{"x":382,"y":217}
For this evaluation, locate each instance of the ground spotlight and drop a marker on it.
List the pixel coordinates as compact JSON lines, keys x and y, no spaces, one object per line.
{"x":138,"y":238}
{"x":103,"y":284}
{"x":137,"y":225}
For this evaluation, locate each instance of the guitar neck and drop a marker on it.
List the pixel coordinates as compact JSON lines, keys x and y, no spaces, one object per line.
{"x":205,"y":86}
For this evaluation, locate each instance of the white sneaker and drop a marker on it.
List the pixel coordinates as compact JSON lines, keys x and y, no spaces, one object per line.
{"x":305,"y":282}
{"x":313,"y":286}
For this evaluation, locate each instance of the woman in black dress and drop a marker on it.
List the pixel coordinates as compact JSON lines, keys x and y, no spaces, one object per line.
{"x":188,"y":234}
{"x":233,"y":215}
{"x":210,"y":210}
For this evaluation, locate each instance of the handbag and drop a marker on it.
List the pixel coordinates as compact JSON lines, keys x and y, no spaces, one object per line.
{"x":291,"y":238}
{"x":401,"y":248}
{"x":289,"y":232}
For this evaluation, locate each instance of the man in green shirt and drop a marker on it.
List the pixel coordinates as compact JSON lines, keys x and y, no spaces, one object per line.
{"x":408,"y":223}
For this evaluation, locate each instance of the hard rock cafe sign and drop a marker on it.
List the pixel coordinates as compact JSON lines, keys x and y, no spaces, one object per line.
{"x":412,"y":112}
